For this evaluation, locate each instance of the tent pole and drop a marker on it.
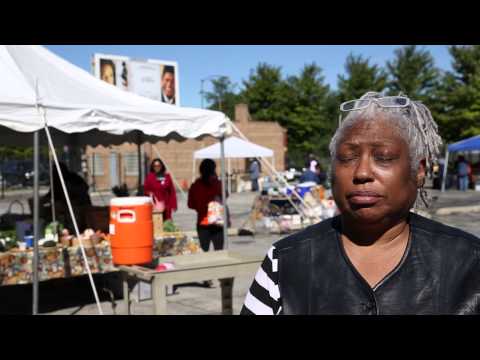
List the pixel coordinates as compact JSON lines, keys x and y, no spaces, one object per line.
{"x":275,"y":172}
{"x":93,"y":172}
{"x":52,"y":195}
{"x":193,"y":168}
{"x":139,"y":156}
{"x":72,"y":215}
{"x":229,"y":176}
{"x":36,"y":230}
{"x":444,"y":177}
{"x":224,"y":197}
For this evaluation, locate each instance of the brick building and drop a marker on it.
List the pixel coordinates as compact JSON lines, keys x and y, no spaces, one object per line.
{"x":115,"y":165}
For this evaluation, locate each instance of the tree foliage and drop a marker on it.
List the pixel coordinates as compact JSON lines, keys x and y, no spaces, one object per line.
{"x":360,"y":77}
{"x":412,"y":72}
{"x":457,"y":99}
{"x":223,"y":96}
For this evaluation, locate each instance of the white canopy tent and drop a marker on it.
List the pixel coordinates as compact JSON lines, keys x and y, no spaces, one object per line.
{"x":234,"y":148}
{"x":41,"y":91}
{"x":76,"y":102}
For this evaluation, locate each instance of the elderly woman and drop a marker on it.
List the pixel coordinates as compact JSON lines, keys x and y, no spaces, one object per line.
{"x":377,"y":257}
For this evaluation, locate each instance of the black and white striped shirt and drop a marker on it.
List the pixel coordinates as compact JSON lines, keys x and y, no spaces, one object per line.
{"x":263,"y":297}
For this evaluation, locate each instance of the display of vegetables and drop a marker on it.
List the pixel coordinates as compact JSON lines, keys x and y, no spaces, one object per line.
{"x":169,"y":226}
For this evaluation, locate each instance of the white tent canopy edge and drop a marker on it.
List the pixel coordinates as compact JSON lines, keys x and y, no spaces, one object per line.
{"x":75,"y":102}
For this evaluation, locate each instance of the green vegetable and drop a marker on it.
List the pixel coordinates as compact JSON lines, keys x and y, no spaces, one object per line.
{"x":10,"y":244}
{"x":51,"y":227}
{"x":169,"y":226}
{"x":8,"y":233}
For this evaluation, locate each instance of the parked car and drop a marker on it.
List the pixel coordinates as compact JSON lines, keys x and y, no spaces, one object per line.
{"x":19,"y":173}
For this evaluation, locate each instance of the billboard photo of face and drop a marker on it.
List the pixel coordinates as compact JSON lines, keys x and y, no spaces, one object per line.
{"x":107,"y":71}
{"x":154,"y":79}
{"x":113,"y":70}
{"x":168,"y":84}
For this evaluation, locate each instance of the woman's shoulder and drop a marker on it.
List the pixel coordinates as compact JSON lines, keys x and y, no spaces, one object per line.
{"x":197,"y":183}
{"x":150,"y":176}
{"x":442,"y":233}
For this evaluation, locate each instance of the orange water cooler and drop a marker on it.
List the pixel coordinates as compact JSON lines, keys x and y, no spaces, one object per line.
{"x":131,"y":230}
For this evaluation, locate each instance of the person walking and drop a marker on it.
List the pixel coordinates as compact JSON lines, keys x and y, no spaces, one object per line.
{"x":254,"y":174}
{"x":462,"y":173}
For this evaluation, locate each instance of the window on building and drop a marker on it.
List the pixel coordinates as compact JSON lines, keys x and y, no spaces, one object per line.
{"x":130,"y":163}
{"x":96,"y":164}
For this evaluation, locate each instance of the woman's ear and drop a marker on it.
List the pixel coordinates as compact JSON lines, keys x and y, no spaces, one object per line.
{"x":421,"y":173}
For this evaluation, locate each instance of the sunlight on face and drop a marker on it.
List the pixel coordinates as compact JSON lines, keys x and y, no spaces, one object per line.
{"x":107,"y":74}
{"x":168,"y":84}
{"x":372,"y":178}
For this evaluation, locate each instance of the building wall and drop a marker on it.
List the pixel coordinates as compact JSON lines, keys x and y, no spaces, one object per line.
{"x":178,"y":156}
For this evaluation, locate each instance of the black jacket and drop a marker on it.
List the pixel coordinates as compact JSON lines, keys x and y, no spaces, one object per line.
{"x":438,"y":274}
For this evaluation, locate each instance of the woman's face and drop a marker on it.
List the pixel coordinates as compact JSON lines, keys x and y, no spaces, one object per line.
{"x":157,"y":167}
{"x":372,"y":180}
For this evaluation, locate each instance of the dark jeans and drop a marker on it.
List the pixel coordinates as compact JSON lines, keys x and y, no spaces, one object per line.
{"x":212,"y":233}
{"x":254,"y":184}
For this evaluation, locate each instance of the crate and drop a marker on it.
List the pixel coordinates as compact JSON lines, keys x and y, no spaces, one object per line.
{"x":157,"y":219}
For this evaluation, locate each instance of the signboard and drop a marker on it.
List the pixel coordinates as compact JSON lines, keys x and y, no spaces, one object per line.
{"x":154,"y":79}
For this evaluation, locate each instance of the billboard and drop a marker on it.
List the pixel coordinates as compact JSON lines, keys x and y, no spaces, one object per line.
{"x":155,"y":79}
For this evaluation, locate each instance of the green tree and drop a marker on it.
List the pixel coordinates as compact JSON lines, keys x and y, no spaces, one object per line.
{"x":301,"y":103}
{"x":360,"y":77}
{"x":266,"y":93}
{"x":412,"y":72}
{"x":16,"y":152}
{"x":457,"y":101}
{"x":223,"y":96}
{"x":308,"y":122}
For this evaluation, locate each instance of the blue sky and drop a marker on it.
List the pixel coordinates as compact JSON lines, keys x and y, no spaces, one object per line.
{"x":235,"y":61}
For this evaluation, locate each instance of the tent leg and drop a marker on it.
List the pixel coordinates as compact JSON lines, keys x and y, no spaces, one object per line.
{"x":224,"y":197}
{"x":444,"y":176}
{"x":276,"y":174}
{"x":193,"y":170}
{"x":139,"y":153}
{"x":52,"y":197}
{"x":72,"y":215}
{"x":36,"y":230}
{"x":229,"y":176}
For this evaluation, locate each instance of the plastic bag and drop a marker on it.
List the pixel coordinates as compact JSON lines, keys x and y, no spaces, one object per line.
{"x":214,"y":214}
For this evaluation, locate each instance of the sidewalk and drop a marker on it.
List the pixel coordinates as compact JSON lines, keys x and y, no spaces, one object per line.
{"x":454,"y":201}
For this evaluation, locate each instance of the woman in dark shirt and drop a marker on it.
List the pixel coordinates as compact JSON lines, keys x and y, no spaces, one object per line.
{"x":377,"y":256}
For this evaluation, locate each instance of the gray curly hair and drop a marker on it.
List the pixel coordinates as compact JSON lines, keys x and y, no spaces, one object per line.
{"x":414,"y":123}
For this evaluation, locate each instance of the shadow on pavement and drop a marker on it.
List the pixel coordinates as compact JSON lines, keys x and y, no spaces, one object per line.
{"x":58,"y":294}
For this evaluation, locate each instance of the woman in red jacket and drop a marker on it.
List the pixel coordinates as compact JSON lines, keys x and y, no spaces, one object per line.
{"x":159,"y":185}
{"x":205,"y":189}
